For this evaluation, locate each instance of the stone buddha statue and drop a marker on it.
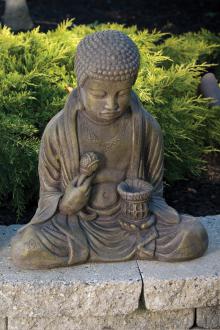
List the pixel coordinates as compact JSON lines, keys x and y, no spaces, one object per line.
{"x":101,"y":173}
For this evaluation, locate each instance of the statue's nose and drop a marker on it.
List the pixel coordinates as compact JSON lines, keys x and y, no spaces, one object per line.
{"x":111,"y":104}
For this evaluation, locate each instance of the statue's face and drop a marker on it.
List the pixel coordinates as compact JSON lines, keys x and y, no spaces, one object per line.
{"x":105,"y":101}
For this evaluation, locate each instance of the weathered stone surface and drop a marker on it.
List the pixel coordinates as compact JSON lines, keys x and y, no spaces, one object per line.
{"x":3,"y":324}
{"x":208,"y":317}
{"x":96,"y":289}
{"x":141,"y":319}
{"x":186,"y":284}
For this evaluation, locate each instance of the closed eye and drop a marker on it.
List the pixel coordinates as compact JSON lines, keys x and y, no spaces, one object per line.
{"x":98,"y":94}
{"x":124,"y":92}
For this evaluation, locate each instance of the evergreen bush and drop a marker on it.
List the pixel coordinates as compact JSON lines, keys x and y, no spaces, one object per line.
{"x":36,"y":68}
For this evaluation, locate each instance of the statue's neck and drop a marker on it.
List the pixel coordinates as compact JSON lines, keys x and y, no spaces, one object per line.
{"x":100,"y":138}
{"x":103,"y":131}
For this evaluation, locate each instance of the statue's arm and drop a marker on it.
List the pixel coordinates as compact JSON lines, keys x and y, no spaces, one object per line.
{"x":49,"y":170}
{"x":54,"y":197}
{"x":49,"y":163}
{"x":155,"y":170}
{"x":154,"y":152}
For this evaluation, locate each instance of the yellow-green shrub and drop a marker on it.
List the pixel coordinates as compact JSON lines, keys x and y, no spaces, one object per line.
{"x":35,"y":69}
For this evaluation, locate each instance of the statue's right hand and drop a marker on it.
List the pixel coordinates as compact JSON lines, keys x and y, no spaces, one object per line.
{"x":75,"y":198}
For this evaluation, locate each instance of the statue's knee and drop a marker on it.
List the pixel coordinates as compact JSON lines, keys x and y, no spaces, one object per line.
{"x":24,"y":247}
{"x":29,"y":251}
{"x":195,"y":237}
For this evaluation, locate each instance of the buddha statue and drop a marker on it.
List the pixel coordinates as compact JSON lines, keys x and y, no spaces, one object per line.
{"x":101,"y":173}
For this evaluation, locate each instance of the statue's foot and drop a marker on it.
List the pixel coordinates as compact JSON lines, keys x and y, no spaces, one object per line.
{"x":184,"y":241}
{"x":43,"y":246}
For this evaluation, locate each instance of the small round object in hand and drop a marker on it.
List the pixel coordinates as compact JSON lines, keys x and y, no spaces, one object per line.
{"x":89,"y":163}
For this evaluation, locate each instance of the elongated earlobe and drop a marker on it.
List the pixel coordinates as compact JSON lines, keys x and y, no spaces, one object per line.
{"x":79,"y":99}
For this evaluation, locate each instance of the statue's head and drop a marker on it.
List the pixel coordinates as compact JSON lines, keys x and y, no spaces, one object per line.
{"x":106,"y":66}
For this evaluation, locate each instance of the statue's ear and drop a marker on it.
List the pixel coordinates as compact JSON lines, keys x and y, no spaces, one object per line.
{"x":78,"y":90}
{"x":80,"y":105}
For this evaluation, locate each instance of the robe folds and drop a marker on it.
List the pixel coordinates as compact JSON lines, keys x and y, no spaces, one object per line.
{"x":75,"y":240}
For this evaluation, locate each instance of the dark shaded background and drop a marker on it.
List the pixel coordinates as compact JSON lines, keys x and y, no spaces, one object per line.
{"x":173,"y":16}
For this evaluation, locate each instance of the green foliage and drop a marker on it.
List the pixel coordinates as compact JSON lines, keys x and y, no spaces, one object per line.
{"x":36,"y":68}
{"x":18,"y":161}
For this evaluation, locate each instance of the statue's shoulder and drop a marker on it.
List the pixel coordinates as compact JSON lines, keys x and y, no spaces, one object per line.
{"x":57,"y":126}
{"x":151,"y":121}
{"x":54,"y":125}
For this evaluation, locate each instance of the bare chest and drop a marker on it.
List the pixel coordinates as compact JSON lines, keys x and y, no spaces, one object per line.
{"x":113,"y":144}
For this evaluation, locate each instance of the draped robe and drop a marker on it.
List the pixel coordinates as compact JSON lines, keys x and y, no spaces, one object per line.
{"x":103,"y":239}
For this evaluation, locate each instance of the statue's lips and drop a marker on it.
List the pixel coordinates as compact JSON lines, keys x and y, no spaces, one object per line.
{"x":111,"y":114}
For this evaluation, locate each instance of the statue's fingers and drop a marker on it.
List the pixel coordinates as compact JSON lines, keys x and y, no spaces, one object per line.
{"x":81,"y":179}
{"x":87,"y":193}
{"x":87,"y":182}
{"x":75,"y":181}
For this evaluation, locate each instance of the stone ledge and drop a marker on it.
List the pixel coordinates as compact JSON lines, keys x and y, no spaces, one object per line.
{"x":3,"y":324}
{"x":208,"y":317}
{"x":97,"y":289}
{"x":141,"y":319}
{"x":189,"y":284}
{"x":110,"y":293}
{"x":204,"y":329}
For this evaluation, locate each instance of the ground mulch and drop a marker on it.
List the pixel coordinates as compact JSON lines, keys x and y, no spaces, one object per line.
{"x":174,"y":16}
